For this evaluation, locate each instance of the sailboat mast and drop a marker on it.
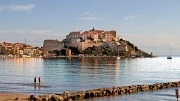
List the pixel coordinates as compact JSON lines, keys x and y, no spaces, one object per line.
{"x":169,"y":57}
{"x":170,"y":51}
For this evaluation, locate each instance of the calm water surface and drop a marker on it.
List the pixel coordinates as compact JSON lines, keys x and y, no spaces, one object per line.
{"x":77,"y":74}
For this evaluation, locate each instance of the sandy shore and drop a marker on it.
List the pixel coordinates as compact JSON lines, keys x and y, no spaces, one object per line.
{"x":13,"y":97}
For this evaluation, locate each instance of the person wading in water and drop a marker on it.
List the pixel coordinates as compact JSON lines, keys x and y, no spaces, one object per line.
{"x":35,"y":83}
{"x":39,"y":79}
{"x":34,"y":80}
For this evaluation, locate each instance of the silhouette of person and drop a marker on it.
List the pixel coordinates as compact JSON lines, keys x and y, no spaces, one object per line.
{"x":39,"y":79}
{"x":35,"y":80}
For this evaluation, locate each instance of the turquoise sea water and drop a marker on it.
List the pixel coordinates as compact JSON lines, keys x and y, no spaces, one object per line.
{"x":78,"y":74}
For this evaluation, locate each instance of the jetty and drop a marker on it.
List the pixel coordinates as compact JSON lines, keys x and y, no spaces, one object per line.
{"x":101,"y":92}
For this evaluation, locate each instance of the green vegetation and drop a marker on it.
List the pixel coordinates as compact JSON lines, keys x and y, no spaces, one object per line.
{"x":132,"y":47}
{"x":95,"y":50}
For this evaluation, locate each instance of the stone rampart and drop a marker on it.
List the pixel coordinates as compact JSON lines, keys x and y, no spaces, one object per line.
{"x":83,"y":45}
{"x":116,"y":46}
{"x":51,"y":45}
{"x":100,"y":92}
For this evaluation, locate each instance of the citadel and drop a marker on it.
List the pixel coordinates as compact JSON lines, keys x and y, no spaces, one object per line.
{"x":82,"y":40}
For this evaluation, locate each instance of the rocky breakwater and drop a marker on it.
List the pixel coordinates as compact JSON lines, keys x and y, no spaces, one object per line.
{"x":71,"y":96}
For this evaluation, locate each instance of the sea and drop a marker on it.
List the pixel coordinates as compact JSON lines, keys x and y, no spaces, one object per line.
{"x":84,"y":73}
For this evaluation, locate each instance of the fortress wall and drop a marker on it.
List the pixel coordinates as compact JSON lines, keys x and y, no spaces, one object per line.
{"x":82,"y":46}
{"x":71,"y":45}
{"x":114,"y":46}
{"x":86,"y":45}
{"x":123,"y":42}
{"x":123,"y":48}
{"x":51,"y":45}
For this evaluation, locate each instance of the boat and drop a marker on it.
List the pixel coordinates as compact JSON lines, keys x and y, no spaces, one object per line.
{"x":169,"y":57}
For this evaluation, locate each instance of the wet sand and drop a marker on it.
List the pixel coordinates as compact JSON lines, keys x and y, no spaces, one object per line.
{"x":13,"y":97}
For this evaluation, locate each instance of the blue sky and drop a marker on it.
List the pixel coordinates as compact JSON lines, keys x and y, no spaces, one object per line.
{"x":152,"y":25}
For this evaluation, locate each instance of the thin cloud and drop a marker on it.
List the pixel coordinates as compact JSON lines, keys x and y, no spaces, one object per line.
{"x":163,"y":22}
{"x":33,"y":37}
{"x":156,"y":40}
{"x":129,"y":17}
{"x":90,"y":18}
{"x":40,"y":31}
{"x":14,"y":7}
{"x":86,"y":13}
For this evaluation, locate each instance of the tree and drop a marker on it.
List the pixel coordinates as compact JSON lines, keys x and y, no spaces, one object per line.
{"x":136,"y":48}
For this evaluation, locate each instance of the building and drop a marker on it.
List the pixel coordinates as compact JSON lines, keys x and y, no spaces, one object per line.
{"x":51,"y":45}
{"x":82,"y":40}
{"x":19,"y":50}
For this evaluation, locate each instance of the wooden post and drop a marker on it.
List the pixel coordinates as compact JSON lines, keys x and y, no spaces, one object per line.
{"x":177,"y":94}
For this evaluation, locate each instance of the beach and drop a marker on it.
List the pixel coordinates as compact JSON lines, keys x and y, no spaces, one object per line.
{"x":13,"y":97}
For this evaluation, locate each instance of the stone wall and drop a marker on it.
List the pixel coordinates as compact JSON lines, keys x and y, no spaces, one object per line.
{"x":86,"y":45}
{"x":83,"y":45}
{"x":51,"y":45}
{"x":115,"y":46}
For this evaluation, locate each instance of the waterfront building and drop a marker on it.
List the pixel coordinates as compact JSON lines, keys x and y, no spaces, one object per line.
{"x":19,"y":50}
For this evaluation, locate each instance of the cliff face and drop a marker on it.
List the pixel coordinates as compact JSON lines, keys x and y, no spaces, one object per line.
{"x":51,"y":45}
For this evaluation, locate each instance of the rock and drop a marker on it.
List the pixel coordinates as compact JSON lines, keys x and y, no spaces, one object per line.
{"x":16,"y":98}
{"x":98,"y":93}
{"x":87,"y":94}
{"x":45,"y":99}
{"x":31,"y":97}
{"x":92,"y":94}
{"x":158,"y":85}
{"x":36,"y":98}
{"x":80,"y":95}
{"x":77,"y":95}
{"x":66,"y":97}
{"x":115,"y":91}
{"x":104,"y":93}
{"x":57,"y":98}
{"x":122,"y":91}
{"x":144,"y":87}
{"x":66,"y":92}
{"x":70,"y":96}
{"x":69,"y":99}
{"x":133,"y":89}
{"x":108,"y":91}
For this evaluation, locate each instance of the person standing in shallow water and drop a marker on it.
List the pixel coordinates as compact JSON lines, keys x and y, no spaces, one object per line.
{"x":39,"y":79}
{"x":35,"y":80}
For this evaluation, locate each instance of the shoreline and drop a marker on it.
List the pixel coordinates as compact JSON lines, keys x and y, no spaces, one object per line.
{"x":13,"y":96}
{"x":92,"y":93}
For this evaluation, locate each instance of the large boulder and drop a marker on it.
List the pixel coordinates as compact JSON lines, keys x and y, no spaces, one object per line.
{"x":57,"y":98}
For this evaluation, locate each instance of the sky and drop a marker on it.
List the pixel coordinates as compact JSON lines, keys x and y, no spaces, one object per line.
{"x":151,"y":25}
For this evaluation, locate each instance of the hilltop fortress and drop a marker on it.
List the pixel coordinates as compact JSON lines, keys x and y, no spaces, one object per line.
{"x":82,"y":40}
